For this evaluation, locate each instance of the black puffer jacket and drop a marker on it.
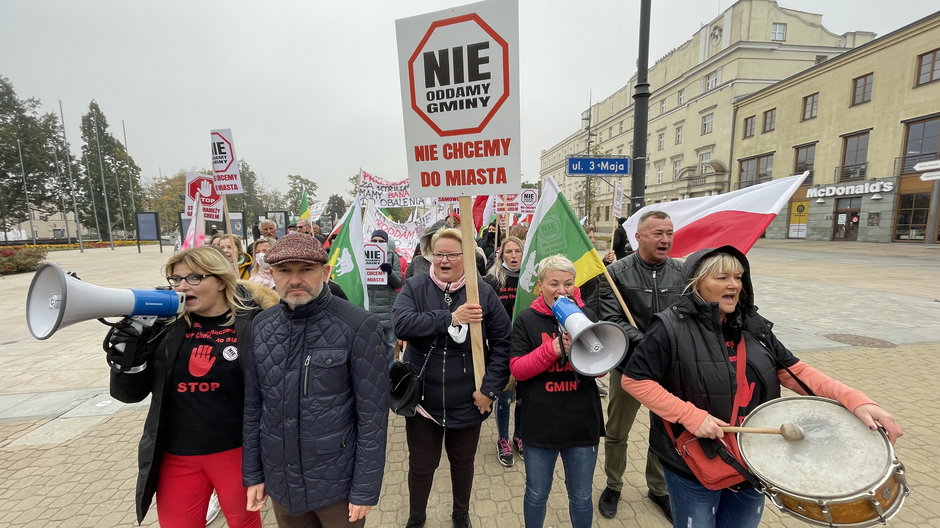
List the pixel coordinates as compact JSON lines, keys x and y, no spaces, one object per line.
{"x":422,"y":318}
{"x":316,"y":404}
{"x":685,"y":351}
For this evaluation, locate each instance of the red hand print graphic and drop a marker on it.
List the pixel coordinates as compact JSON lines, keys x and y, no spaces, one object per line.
{"x":201,"y":360}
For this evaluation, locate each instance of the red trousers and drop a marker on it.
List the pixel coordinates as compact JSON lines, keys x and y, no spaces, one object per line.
{"x":186,"y":483}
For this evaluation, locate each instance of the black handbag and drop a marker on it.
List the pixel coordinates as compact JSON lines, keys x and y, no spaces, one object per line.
{"x":405,"y":387}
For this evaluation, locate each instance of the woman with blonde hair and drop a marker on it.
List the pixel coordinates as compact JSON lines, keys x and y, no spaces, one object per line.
{"x":561,"y":412}
{"x":684,"y":370}
{"x":432,"y":314}
{"x":232,"y":245}
{"x":503,"y":276}
{"x":261,"y":271}
{"x":192,"y":368}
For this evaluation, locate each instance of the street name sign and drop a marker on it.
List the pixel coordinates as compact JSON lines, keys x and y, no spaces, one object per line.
{"x":929,"y":176}
{"x":927,"y":166}
{"x":607,"y":165}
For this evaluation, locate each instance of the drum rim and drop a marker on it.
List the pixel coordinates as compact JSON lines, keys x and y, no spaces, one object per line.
{"x":889,"y":468}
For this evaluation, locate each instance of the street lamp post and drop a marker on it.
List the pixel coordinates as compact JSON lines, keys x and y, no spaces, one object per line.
{"x":104,"y":189}
{"x":68,"y":167}
{"x":29,"y":206}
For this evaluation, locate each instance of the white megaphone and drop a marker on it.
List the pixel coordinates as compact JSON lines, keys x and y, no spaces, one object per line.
{"x":57,"y":300}
{"x":596,"y":348}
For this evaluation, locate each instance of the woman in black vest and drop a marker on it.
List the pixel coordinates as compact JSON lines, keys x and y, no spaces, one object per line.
{"x":684,"y":371}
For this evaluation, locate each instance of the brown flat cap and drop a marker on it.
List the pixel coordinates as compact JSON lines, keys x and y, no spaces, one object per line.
{"x":296,"y":247}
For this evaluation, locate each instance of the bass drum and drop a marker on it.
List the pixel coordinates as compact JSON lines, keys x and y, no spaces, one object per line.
{"x":840,"y":474}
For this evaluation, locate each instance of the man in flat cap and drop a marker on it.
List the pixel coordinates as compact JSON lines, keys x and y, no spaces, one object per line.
{"x":316,"y":398}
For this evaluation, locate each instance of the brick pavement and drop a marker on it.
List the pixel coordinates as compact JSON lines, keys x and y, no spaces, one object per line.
{"x":68,"y":456}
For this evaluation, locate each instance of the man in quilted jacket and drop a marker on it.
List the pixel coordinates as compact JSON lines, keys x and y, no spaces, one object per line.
{"x":316,"y":398}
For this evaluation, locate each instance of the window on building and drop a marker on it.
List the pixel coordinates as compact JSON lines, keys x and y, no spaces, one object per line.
{"x":703,"y":166}
{"x":810,"y":106}
{"x":678,"y":135}
{"x":610,"y":132}
{"x":928,"y":67}
{"x":821,"y":59}
{"x":621,"y":128}
{"x":749,"y":126}
{"x":923,"y":143}
{"x":676,"y":167}
{"x":757,"y":170}
{"x":661,"y":141}
{"x":854,"y":157}
{"x":861,"y":89}
{"x":770,"y":120}
{"x":659,"y":173}
{"x":911,"y":221}
{"x":707,"y":123}
{"x":680,"y":97}
{"x":805,"y":158}
{"x":662,"y":106}
{"x":778,"y":31}
{"x":712,"y":80}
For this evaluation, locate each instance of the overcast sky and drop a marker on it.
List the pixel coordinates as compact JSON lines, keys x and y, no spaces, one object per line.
{"x":311,"y":87}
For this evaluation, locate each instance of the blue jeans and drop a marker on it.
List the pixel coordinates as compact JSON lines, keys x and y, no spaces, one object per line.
{"x":579,"y":465}
{"x":695,"y":506}
{"x":502,"y":414}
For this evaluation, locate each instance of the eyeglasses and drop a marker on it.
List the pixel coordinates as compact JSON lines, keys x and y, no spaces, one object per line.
{"x":192,"y":279}
{"x":446,"y":256}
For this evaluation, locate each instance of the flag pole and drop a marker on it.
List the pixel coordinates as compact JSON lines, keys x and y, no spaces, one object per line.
{"x":473,"y":288}
{"x":231,"y":239}
{"x":623,"y":305}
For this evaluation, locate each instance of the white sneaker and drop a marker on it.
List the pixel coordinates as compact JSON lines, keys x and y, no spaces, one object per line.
{"x":214,"y":508}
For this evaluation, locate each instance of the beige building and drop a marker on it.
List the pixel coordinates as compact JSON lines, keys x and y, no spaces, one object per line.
{"x":751,"y":45}
{"x":860,"y":123}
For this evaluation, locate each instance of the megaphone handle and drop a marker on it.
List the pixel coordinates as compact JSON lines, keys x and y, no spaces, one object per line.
{"x":561,"y":346}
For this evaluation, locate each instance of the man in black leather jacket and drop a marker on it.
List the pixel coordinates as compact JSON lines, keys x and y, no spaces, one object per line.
{"x":649,"y":281}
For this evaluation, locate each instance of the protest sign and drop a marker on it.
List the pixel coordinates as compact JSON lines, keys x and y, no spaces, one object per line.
{"x":376,"y":254}
{"x":224,"y":163}
{"x":209,"y":198}
{"x":386,"y":193}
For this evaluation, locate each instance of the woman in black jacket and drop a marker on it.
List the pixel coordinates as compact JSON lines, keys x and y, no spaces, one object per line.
{"x":432,"y":315}
{"x":684,"y":370}
{"x":192,"y":436}
{"x":503,"y":276}
{"x":561,"y":409}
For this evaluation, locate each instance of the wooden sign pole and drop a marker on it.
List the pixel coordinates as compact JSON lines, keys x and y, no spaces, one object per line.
{"x":473,"y":287}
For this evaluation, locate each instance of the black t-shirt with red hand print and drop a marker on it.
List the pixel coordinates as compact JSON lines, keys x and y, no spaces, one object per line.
{"x":207,"y":390}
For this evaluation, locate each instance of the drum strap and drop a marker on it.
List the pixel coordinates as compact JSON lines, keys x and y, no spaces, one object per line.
{"x":720,"y":447}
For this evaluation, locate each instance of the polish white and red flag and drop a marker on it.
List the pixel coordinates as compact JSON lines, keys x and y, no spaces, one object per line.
{"x":737,"y":218}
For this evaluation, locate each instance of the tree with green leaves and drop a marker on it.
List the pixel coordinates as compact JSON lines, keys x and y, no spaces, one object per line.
{"x":39,"y":139}
{"x":165,"y":196}
{"x":335,"y":206}
{"x":296,"y":185}
{"x":112,"y":178}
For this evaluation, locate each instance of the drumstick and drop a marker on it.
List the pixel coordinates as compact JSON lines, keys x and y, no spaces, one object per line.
{"x":788,"y":431}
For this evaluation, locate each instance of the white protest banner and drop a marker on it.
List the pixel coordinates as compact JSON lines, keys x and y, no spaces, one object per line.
{"x":376,"y":254}
{"x":427,"y":219}
{"x":386,"y":193}
{"x":528,"y":200}
{"x":317,"y":211}
{"x":406,"y":236}
{"x":210,"y":199}
{"x":506,"y":203}
{"x":460,"y":95}
{"x":224,"y":163}
{"x":618,"y":200}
